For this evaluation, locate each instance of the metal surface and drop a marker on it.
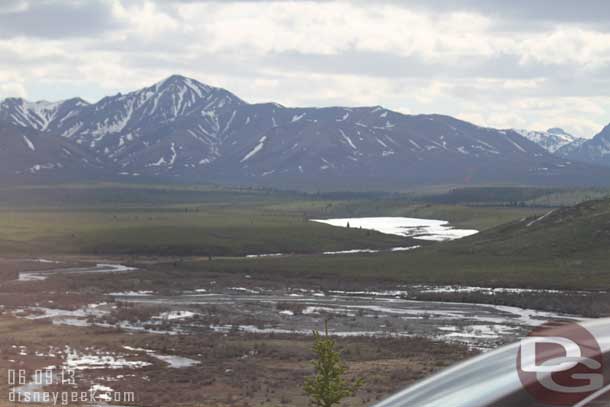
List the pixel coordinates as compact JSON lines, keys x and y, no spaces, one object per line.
{"x":493,"y":379}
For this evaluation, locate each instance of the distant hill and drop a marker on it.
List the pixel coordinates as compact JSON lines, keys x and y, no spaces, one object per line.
{"x":564,"y":247}
{"x":185,"y":131}
{"x":579,"y":230}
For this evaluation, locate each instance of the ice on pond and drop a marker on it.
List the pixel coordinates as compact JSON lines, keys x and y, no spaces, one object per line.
{"x":131,"y":293}
{"x":173,"y":361}
{"x":423,"y":229}
{"x":176,"y":362}
{"x":255,"y":256}
{"x":287,"y":312}
{"x":173,"y":315}
{"x":76,"y":361}
{"x":98,"y":268}
{"x":353,"y":251}
{"x":442,"y":289}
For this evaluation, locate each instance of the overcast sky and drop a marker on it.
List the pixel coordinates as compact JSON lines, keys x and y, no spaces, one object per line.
{"x":504,"y":63}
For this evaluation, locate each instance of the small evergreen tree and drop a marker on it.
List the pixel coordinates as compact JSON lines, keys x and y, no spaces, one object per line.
{"x":328,"y":387}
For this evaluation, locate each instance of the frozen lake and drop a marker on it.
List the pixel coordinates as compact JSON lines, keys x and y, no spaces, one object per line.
{"x":423,"y":229}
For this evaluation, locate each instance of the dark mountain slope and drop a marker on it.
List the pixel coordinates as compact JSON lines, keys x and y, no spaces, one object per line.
{"x":29,"y":154}
{"x":593,"y":151}
{"x":185,"y":131}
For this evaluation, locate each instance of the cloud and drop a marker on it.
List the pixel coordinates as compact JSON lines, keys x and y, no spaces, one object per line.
{"x":331,"y":28}
{"x":499,"y":63}
{"x":13,"y":6}
{"x":540,"y":10}
{"x":12,"y":89}
{"x":55,"y":19}
{"x":558,"y":11}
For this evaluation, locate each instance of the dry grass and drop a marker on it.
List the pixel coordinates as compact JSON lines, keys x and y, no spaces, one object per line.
{"x":235,"y":370}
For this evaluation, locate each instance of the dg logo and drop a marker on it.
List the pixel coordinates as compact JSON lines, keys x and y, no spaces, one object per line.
{"x":561,"y":365}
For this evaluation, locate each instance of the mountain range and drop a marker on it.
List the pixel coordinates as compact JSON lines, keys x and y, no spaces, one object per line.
{"x":182,"y":130}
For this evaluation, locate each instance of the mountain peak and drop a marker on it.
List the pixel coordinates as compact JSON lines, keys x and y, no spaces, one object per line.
{"x":39,"y":104}
{"x":558,"y":130}
{"x":39,"y":115}
{"x":179,"y":81}
{"x":183,"y":88}
{"x":42,"y":104}
{"x":177,"y":77}
{"x":551,"y":140}
{"x":77,"y":101}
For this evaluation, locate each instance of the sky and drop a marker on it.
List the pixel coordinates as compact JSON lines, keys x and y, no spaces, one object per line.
{"x":529,"y":64}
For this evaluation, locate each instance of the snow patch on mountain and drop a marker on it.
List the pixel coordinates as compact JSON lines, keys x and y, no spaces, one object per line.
{"x":37,"y":115}
{"x":29,"y":143}
{"x":297,"y":117}
{"x":348,"y":139}
{"x":256,"y":149}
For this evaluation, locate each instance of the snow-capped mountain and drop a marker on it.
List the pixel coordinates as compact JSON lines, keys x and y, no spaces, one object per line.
{"x":39,"y":115}
{"x":183,"y":130}
{"x":595,"y":150}
{"x":143,"y":118}
{"x":551,"y":140}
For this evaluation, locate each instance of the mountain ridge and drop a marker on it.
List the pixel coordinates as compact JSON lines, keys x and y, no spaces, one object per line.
{"x":595,"y":150}
{"x":182,"y":130}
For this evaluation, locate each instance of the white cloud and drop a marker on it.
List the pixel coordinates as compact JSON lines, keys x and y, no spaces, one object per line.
{"x":144,"y":19}
{"x":12,"y":89}
{"x":464,"y":61}
{"x":568,"y":45}
{"x":334,"y":27}
{"x":577,"y":115}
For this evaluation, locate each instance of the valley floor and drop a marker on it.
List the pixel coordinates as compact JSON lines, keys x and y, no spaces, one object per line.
{"x":167,"y":355}
{"x":230,"y":340}
{"x":163,"y":292}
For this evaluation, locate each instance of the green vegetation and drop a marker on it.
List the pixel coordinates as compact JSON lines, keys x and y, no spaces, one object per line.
{"x":515,"y":196}
{"x":110,"y":219}
{"x":566,"y":249}
{"x":329,"y":386}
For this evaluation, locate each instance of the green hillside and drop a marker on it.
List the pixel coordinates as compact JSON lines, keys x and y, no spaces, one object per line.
{"x":562,"y":248}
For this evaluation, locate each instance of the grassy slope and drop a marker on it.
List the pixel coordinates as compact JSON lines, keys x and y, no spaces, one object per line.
{"x":567,"y":249}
